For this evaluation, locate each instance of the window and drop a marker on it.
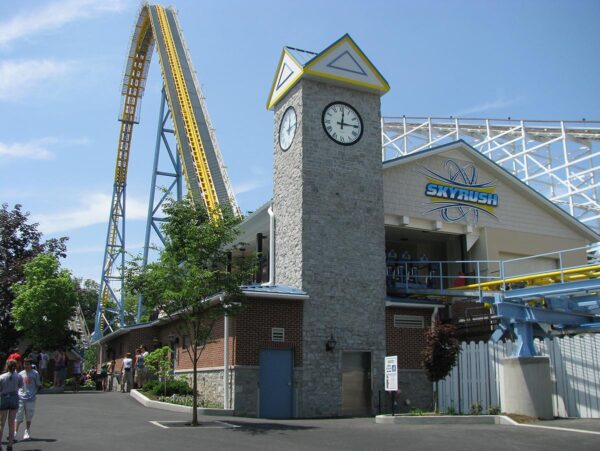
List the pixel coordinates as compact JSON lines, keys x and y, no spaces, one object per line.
{"x":409,"y":322}
{"x":278,"y":334}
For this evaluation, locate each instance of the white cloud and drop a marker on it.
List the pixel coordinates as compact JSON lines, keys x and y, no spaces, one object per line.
{"x":246,"y":187}
{"x":34,"y":150}
{"x":489,"y":105}
{"x":54,"y":15}
{"x":93,"y":209}
{"x":37,"y":149}
{"x":19,"y":76}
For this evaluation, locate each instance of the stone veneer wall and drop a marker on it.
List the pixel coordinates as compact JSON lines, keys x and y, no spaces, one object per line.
{"x":330,"y":240}
{"x":210,"y":385}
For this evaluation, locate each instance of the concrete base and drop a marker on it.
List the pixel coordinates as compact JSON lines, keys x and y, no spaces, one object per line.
{"x":146,"y":402}
{"x":527,"y":386}
{"x":443,"y":419}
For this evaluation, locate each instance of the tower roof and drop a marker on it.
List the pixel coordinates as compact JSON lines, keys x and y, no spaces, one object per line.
{"x":341,"y":63}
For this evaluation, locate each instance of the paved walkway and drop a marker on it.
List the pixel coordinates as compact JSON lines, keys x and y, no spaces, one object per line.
{"x":114,"y":421}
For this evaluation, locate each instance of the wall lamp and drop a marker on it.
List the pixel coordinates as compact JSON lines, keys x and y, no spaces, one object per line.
{"x":330,"y":344}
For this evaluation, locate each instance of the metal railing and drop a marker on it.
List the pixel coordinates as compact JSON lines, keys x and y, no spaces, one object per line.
{"x":472,"y":277}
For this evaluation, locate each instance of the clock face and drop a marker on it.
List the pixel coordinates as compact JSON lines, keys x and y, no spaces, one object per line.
{"x":342,"y":123}
{"x":287,"y":128}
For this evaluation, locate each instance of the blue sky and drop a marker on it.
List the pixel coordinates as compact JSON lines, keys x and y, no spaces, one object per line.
{"x":61,"y":65}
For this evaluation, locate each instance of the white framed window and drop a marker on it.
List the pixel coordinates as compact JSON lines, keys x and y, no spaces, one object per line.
{"x":409,"y":322}
{"x":277,"y":334}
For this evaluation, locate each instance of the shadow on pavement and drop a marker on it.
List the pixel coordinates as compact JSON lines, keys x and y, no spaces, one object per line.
{"x":266,"y":428}
{"x":30,"y":444}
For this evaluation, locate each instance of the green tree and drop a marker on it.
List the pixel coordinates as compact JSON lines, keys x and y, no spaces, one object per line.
{"x":194,"y":282}
{"x":87,"y":296}
{"x":440,"y":353}
{"x":45,"y":302}
{"x":159,"y":362}
{"x":20,"y":241}
{"x":90,"y":357}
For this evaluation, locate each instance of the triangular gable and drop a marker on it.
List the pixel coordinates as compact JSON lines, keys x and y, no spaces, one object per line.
{"x":342,"y":62}
{"x":288,"y":72}
{"x":454,"y":149}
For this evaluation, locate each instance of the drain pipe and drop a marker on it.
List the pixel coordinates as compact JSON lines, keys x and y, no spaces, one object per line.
{"x":271,"y":247}
{"x":225,"y":361}
{"x":434,"y":316}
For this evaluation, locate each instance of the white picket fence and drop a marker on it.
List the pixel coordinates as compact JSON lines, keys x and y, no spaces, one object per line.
{"x":574,"y":366}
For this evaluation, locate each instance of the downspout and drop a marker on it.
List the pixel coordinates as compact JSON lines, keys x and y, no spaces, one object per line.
{"x":434,"y":316}
{"x":271,"y":247}
{"x":225,"y":361}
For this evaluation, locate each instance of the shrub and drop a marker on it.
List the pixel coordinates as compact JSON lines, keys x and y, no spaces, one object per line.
{"x":169,"y":388}
{"x":416,"y":412}
{"x":494,"y":410}
{"x":476,"y":409}
{"x":451,"y":410}
{"x":151,"y":384}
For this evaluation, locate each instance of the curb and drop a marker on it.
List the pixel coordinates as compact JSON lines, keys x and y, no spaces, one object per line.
{"x":444,"y":419}
{"x":143,"y":400}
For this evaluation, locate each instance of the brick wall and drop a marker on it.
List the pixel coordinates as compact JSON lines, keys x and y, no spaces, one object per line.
{"x":211,"y":356}
{"x":248,"y":334}
{"x":407,"y":344}
{"x":129,"y":342}
{"x":253,"y":329}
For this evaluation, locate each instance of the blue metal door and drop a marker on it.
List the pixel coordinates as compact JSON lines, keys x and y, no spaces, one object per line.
{"x":276,"y":366}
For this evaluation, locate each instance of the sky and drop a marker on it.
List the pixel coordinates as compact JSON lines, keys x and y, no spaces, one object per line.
{"x":62,"y":62}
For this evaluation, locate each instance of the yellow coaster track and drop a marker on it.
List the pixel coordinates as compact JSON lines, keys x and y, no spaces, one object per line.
{"x":202,"y":164}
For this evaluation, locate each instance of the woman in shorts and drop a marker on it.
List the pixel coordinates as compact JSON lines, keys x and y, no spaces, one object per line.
{"x":10,"y":382}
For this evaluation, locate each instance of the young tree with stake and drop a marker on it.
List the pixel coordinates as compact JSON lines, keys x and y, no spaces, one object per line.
{"x":194,"y":281}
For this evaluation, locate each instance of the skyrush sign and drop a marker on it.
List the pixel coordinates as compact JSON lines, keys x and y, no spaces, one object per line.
{"x":459,"y":196}
{"x":455,"y":193}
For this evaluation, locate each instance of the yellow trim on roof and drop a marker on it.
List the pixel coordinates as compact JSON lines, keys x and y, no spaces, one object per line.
{"x":346,"y":80}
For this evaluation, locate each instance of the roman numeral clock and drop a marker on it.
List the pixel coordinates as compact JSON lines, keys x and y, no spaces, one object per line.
{"x":328,"y":207}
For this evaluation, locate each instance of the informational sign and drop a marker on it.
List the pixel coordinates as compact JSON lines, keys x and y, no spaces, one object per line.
{"x":391,"y":373}
{"x":460,"y":195}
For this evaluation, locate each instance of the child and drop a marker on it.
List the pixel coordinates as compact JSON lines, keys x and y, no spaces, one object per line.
{"x":30,"y":387}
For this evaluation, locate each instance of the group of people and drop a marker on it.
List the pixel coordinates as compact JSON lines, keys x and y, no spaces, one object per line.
{"x":19,"y":385}
{"x":133,"y":368}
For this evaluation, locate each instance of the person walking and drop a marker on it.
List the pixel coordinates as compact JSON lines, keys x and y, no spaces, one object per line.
{"x":76,"y":373}
{"x":139,"y":369}
{"x":59,"y":366}
{"x":104,"y":376}
{"x":126,"y":369}
{"x":10,"y":382}
{"x":44,"y":359}
{"x":27,"y":393}
{"x":110,"y":369}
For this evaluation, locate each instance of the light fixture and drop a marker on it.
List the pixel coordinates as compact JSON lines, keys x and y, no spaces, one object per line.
{"x":330,"y":344}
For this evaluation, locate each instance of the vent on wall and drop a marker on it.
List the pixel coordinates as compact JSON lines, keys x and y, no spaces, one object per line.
{"x":409,"y":322}
{"x":277,"y":334}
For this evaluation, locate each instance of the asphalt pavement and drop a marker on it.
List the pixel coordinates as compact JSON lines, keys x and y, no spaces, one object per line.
{"x":113,"y":421}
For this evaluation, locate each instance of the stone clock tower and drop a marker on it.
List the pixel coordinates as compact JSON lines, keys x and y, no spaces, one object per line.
{"x":328,"y":206}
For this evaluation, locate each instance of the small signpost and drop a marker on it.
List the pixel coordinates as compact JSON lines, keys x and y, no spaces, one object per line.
{"x":391,"y":378}
{"x":391,"y":373}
